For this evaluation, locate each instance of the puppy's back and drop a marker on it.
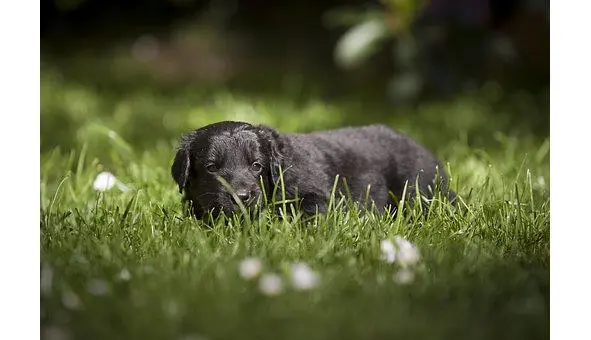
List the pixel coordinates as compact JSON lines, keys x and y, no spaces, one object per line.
{"x":375,"y":148}
{"x":374,"y":143}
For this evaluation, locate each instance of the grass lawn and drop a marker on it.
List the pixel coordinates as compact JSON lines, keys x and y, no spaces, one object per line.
{"x":129,"y":265}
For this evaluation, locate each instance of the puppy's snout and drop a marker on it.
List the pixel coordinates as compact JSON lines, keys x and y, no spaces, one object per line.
{"x":243,"y":194}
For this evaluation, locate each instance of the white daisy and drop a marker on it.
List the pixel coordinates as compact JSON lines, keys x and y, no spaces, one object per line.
{"x":407,"y":253}
{"x":271,"y":284}
{"x":388,"y":251}
{"x":250,"y":268}
{"x":303,"y":277}
{"x":104,"y":181}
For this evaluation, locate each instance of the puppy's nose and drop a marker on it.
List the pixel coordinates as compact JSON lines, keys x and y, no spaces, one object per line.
{"x":243,"y":194}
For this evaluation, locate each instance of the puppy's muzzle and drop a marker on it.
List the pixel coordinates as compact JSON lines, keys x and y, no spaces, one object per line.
{"x":246,"y":196}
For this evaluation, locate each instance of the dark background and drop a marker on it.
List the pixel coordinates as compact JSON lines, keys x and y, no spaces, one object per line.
{"x":262,"y":45}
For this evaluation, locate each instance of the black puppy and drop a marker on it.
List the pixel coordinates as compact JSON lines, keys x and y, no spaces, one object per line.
{"x":221,"y":162}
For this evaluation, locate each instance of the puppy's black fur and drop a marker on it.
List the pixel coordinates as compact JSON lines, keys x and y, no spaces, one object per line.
{"x":245,"y":155}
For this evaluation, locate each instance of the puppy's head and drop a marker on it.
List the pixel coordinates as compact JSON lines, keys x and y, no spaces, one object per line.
{"x":221,"y":163}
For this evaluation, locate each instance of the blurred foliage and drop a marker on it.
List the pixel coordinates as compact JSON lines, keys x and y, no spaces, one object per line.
{"x":371,"y":26}
{"x":410,"y":51}
{"x":370,"y":29}
{"x":430,"y":51}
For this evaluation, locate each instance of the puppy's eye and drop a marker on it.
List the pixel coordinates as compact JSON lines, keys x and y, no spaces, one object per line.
{"x":212,"y":168}
{"x":256,"y":167}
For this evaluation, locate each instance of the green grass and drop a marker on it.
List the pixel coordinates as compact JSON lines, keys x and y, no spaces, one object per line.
{"x":484,"y":273}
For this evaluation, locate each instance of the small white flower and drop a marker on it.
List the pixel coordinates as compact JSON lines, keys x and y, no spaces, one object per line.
{"x":401,"y":242}
{"x":303,"y":277}
{"x":97,"y":287}
{"x":387,"y":246}
{"x":271,"y":284}
{"x":408,"y":254}
{"x":250,"y":268}
{"x":389,"y":257}
{"x":124,"y":275}
{"x":388,"y":251}
{"x":104,"y":181}
{"x":404,"y":276}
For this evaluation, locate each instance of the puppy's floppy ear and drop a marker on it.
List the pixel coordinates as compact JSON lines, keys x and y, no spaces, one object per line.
{"x":273,"y":140}
{"x":181,"y":167}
